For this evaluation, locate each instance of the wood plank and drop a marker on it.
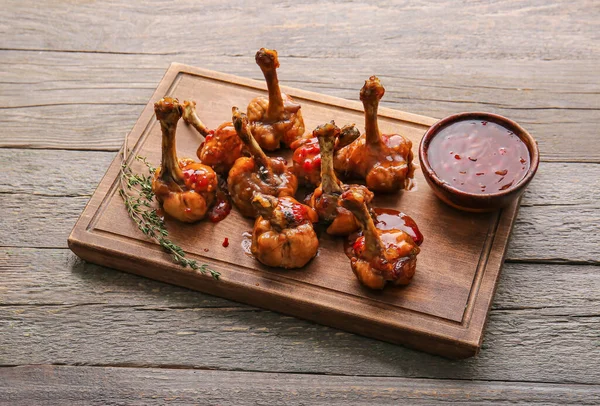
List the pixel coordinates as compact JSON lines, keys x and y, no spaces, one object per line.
{"x":97,"y":385}
{"x":544,"y":233}
{"x":522,"y":29}
{"x":561,"y":142}
{"x":68,"y":126}
{"x":50,"y":296}
{"x":567,"y":192}
{"x":131,"y":79}
{"x":73,"y":94}
{"x":57,"y":277}
{"x":57,"y":308}
{"x":38,"y":221}
{"x":46,"y":288}
{"x":52,"y":173}
{"x":543,"y":345}
{"x":541,"y":233}
{"x":77,"y":173}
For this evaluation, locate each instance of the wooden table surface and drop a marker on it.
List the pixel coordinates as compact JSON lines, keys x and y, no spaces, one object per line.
{"x":76,"y":75}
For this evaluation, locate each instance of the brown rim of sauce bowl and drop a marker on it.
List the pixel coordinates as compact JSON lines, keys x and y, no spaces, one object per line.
{"x":470,"y":201}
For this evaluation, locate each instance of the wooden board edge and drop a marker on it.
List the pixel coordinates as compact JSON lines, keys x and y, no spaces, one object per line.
{"x":490,"y":281}
{"x":431,"y":343}
{"x":468,"y":345}
{"x":141,"y":121}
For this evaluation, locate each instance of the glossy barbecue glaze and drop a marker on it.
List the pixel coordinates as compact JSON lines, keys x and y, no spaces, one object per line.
{"x":276,"y":119}
{"x":258,"y":173}
{"x":283,"y":234}
{"x":221,"y":147}
{"x":325,"y":199}
{"x":383,"y":161}
{"x":306,"y":160}
{"x":379,"y":256}
{"x":184,"y":188}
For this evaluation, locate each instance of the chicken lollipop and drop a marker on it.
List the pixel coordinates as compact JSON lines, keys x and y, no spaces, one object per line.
{"x":275,"y":119}
{"x":221,"y":147}
{"x":326,"y":197}
{"x":379,"y":256}
{"x":383,"y":161}
{"x":283,"y":235}
{"x":185,"y":189}
{"x":307,"y":154}
{"x":258,"y":173}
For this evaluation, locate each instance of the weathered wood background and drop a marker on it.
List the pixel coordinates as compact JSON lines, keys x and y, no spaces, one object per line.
{"x":75,"y":76}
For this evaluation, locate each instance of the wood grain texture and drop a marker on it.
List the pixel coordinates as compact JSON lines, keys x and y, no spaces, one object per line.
{"x":101,"y":386}
{"x":541,"y":233}
{"x":522,"y":29}
{"x":542,"y":345}
{"x":63,"y":310}
{"x":443,"y":311}
{"x":77,"y":173}
{"x":52,"y":173}
{"x":562,"y":201}
{"x":527,"y":59}
{"x":549,"y":98}
{"x":57,"y":277}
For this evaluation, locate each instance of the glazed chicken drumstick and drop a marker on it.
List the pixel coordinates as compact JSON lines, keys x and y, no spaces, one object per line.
{"x":326,"y":196}
{"x":307,"y":154}
{"x":190,"y":116}
{"x":185,"y":189}
{"x":383,"y":161}
{"x":221,"y":147}
{"x":379,"y":256}
{"x":283,"y":235}
{"x":275,"y":119}
{"x":258,"y":173}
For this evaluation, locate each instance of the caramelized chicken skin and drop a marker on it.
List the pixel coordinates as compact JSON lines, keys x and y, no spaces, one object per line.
{"x":258,"y":173}
{"x":275,"y":119}
{"x":185,"y":189}
{"x":221,"y":147}
{"x":379,"y":256}
{"x":383,"y":161}
{"x":283,"y":235}
{"x":307,"y":154}
{"x":306,"y":160}
{"x":326,"y":196}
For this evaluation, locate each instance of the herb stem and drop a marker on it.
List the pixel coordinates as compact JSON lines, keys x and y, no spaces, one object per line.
{"x":136,"y":192}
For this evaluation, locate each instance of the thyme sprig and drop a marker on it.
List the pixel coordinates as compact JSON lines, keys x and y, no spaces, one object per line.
{"x":136,"y":191}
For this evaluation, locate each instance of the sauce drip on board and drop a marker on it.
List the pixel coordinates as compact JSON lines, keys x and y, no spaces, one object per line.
{"x":478,"y":157}
{"x":222,"y":206}
{"x":387,"y":219}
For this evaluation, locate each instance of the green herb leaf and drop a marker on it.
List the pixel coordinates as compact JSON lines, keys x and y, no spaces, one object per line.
{"x":136,"y":192}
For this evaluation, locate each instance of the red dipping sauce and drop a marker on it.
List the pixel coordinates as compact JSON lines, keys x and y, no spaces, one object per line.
{"x":478,"y":157}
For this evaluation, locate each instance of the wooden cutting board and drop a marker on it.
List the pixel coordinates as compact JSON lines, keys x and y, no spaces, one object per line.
{"x":443,"y":310}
